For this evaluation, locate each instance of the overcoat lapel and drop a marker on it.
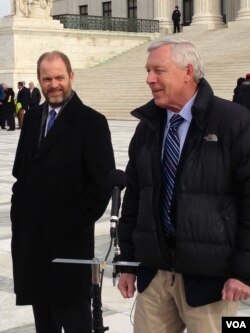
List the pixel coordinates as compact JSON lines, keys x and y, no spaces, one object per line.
{"x":59,"y":129}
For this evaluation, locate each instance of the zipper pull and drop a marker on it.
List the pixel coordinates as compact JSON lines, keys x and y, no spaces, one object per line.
{"x":173,"y":278}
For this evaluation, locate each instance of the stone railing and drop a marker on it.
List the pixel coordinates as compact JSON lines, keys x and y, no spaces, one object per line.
{"x":107,"y":23}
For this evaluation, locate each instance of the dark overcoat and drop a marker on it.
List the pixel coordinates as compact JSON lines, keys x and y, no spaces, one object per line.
{"x":61,"y":190}
{"x":35,"y":97}
{"x":23,"y":96}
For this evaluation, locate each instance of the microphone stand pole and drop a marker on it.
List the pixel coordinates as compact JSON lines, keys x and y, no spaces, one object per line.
{"x":97,"y":300}
{"x":114,"y":237}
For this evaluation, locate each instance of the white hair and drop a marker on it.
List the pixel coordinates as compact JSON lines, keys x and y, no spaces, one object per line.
{"x":183,"y":53}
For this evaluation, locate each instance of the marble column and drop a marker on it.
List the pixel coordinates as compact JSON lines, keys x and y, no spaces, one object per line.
{"x":244,"y":12}
{"x":163,"y":12}
{"x":207,"y":14}
{"x":232,"y":7}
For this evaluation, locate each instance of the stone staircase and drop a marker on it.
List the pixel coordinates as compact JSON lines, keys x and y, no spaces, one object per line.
{"x":118,"y":86}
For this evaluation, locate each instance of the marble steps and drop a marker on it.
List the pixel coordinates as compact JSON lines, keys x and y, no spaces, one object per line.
{"x":118,"y":86}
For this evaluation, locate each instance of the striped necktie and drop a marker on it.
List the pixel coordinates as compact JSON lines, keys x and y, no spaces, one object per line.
{"x":52,"y":118}
{"x":170,"y":161}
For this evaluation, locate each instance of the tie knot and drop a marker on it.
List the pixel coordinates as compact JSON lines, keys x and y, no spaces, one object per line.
{"x":52,"y":113}
{"x":175,"y":121}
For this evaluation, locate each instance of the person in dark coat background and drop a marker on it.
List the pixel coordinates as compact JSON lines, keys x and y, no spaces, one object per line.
{"x":194,"y":257}
{"x":60,"y":192}
{"x":2,"y":114}
{"x":2,"y":93}
{"x":9,"y":107}
{"x":242,"y":93}
{"x":35,"y":96}
{"x":240,"y":80}
{"x":176,"y":18}
{"x":23,"y":97}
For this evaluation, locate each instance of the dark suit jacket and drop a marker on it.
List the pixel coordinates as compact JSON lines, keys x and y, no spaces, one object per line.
{"x":61,"y":190}
{"x":23,"y":96}
{"x":35,"y":98}
{"x":8,"y":102}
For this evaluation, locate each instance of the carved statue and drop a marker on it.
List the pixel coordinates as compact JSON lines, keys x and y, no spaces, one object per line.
{"x":24,"y":8}
{"x":49,"y":4}
{"x":13,"y":7}
{"x":43,"y":4}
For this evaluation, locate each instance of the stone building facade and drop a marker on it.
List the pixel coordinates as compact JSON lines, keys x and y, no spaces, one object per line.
{"x":210,"y":14}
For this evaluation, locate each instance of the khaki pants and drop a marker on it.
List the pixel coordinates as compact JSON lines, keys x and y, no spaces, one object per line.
{"x":162,"y":308}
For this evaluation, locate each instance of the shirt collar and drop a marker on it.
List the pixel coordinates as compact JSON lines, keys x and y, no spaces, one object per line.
{"x":57,"y":110}
{"x":185,"y":111}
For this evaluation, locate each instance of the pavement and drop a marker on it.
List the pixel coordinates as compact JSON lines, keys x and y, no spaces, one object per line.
{"x":117,"y":312}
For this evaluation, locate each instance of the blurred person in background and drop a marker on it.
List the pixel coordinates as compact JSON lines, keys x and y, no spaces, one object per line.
{"x":9,"y":107}
{"x":23,"y":97}
{"x":2,"y":115}
{"x":35,"y":96}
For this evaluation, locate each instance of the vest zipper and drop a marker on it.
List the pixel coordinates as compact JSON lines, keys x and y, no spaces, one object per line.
{"x":173,"y":278}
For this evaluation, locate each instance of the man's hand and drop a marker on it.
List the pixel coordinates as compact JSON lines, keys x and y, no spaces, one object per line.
{"x":235,"y":290}
{"x":126,"y":285}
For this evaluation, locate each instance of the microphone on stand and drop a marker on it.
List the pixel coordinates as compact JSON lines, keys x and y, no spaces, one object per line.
{"x":117,"y":181}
